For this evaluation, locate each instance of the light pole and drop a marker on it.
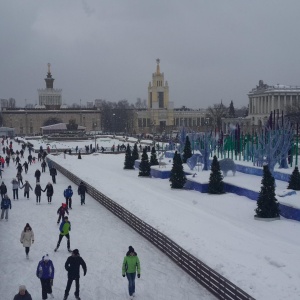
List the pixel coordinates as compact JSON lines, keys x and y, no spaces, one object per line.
{"x":114,"y":123}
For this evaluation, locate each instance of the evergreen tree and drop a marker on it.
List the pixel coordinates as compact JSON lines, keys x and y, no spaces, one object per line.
{"x":79,"y":155}
{"x":153,"y":158}
{"x":187,"y":151}
{"x":216,"y":184}
{"x":135,"y":152}
{"x":267,"y":204}
{"x":177,"y":176}
{"x":231,"y":110}
{"x":144,"y":165}
{"x":129,"y":162}
{"x":294,"y":182}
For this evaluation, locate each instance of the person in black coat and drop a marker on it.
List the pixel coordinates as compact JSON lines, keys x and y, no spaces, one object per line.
{"x":37,"y":175}
{"x":25,"y":166}
{"x":43,"y":165}
{"x":53,"y":173}
{"x":81,"y":191}
{"x":23,"y":294}
{"x":38,"y":192}
{"x":3,"y":189}
{"x":50,"y":191}
{"x":72,"y":265}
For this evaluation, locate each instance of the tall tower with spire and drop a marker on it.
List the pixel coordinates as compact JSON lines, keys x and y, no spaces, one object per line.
{"x":49,"y":97}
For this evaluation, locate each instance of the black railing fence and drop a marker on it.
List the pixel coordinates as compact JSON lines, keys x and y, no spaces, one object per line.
{"x":203,"y":274}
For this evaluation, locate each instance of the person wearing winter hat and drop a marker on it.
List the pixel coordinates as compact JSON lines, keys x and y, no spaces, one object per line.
{"x":27,"y":237}
{"x":5,"y":206}
{"x":38,"y":192}
{"x":65,"y":228}
{"x":72,"y":265}
{"x":68,"y":193}
{"x":50,"y":191}
{"x":45,"y":272}
{"x":81,"y":192}
{"x":15,"y":188}
{"x":131,"y":265}
{"x":23,"y":294}
{"x":61,"y":212}
{"x":26,"y":187}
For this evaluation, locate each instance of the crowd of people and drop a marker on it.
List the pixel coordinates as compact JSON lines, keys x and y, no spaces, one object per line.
{"x":45,"y":269}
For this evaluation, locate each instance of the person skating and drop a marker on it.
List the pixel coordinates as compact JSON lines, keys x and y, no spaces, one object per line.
{"x":23,"y":294}
{"x":30,"y":159}
{"x":50,"y":191}
{"x":19,"y":168}
{"x":27,"y":238}
{"x":38,"y":192}
{"x":72,"y":265}
{"x":19,"y":178}
{"x":43,"y":165}
{"x":7,"y":159}
{"x":68,"y":193}
{"x":5,"y":206}
{"x":53,"y":173}
{"x":37,"y":175}
{"x":65,"y":228}
{"x":131,"y":265}
{"x":26,"y":187}
{"x":45,"y":272}
{"x":3,"y":189}
{"x":25,"y":167}
{"x":61,"y":212}
{"x":81,"y":191}
{"x":15,"y":188}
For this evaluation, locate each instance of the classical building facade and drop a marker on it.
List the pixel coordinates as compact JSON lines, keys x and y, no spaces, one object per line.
{"x":268,"y":98}
{"x":49,"y":97}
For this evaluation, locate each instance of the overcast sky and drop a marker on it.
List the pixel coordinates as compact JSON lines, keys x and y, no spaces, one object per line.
{"x":107,"y":49}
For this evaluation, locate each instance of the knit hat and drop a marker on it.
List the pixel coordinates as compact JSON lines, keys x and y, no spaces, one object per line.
{"x":22,"y":288}
{"x":75,"y":251}
{"x":131,"y":249}
{"x":46,"y":257}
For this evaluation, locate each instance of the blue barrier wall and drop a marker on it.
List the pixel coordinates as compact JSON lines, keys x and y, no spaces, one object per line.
{"x":289,"y":212}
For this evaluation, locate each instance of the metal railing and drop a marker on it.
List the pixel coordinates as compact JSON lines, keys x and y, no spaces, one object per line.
{"x":203,"y":274}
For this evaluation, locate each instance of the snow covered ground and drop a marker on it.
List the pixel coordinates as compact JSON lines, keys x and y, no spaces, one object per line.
{"x":260,"y":257}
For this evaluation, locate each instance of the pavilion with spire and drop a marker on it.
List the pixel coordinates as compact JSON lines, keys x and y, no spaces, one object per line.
{"x":49,"y":97}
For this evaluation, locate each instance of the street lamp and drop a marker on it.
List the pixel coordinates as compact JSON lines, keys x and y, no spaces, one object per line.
{"x":114,"y":124}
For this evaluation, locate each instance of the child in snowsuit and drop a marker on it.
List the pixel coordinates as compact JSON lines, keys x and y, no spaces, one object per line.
{"x":65,"y":228}
{"x":61,"y":212}
{"x":5,"y":206}
{"x":68,"y":193}
{"x":45,"y":272}
{"x":27,"y":237}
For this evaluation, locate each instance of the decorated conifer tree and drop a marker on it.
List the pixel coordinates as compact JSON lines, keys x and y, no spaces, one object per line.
{"x":216,"y":184}
{"x":144,"y":164}
{"x":177,"y":176}
{"x":267,"y":204}
{"x":135,"y":152}
{"x":129,"y":162}
{"x":294,"y":182}
{"x":153,"y":158}
{"x":187,"y":152}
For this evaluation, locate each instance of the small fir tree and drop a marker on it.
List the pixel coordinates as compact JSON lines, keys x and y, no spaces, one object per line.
{"x":177,"y":176}
{"x":294,"y":182}
{"x":144,"y":165}
{"x":187,"y":151}
{"x":135,"y":152}
{"x":231,"y":110}
{"x":129,"y":162}
{"x":153,"y":158}
{"x":216,"y":184}
{"x":267,"y":204}
{"x":79,"y":155}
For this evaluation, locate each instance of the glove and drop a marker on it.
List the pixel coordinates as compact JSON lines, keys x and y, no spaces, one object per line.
{"x":139,"y":275}
{"x":123,"y":275}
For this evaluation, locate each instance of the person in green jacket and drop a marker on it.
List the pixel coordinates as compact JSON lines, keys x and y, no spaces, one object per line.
{"x":131,"y":265}
{"x":65,"y":228}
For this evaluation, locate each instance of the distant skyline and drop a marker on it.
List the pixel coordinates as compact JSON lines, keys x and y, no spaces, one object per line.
{"x":209,"y":50}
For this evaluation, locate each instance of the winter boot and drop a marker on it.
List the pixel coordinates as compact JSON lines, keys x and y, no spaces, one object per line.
{"x":55,"y":249}
{"x":65,"y":297}
{"x":69,"y":250}
{"x":77,"y":297}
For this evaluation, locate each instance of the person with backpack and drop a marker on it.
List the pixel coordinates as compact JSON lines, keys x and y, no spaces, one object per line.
{"x":131,"y":266}
{"x":68,"y":193}
{"x":61,"y":212}
{"x":45,"y":272}
{"x":81,"y":191}
{"x":5,"y":206}
{"x":3,"y":190}
{"x":15,"y":188}
{"x":27,"y":238}
{"x":50,"y":191}
{"x":64,"y":228}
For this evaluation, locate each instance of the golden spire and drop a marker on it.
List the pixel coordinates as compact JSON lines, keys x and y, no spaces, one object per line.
{"x":157,"y":67}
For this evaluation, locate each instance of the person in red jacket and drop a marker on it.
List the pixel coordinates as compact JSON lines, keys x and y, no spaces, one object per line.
{"x":61,"y":212}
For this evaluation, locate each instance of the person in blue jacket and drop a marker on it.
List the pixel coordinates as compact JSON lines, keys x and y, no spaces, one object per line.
{"x":45,"y":272}
{"x":68,"y":193}
{"x":5,"y":206}
{"x":65,"y":228}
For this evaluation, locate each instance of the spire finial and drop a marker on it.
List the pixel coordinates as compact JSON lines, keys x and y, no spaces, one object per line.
{"x":157,"y":67}
{"x":49,"y":65}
